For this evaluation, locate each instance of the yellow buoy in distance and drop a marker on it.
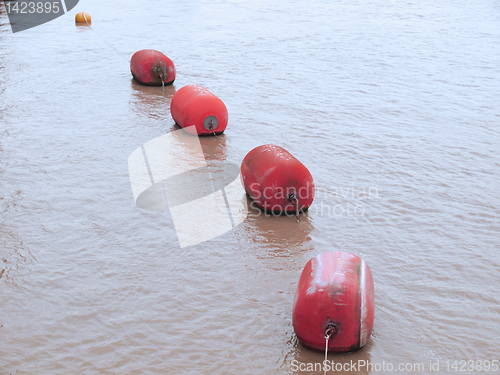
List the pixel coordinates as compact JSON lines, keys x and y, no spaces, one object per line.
{"x":82,"y":17}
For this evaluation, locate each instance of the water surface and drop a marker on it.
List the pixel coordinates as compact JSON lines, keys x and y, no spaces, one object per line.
{"x":393,"y":107}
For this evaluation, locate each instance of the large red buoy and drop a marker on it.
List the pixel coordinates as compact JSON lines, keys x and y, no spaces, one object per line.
{"x":195,"y":105}
{"x":151,"y":67}
{"x":335,"y":297}
{"x":276,"y":181}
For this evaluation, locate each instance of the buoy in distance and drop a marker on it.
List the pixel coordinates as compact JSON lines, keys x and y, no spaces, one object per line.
{"x":83,"y":17}
{"x":336,"y":297}
{"x":276,"y":181}
{"x":151,"y":68}
{"x":195,"y":105}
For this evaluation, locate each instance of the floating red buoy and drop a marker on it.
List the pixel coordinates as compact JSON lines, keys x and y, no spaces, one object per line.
{"x":151,"y":67}
{"x":195,"y":105}
{"x":335,"y":297}
{"x":276,"y":180}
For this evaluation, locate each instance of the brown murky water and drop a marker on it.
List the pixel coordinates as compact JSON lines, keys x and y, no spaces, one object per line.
{"x":393,"y":107}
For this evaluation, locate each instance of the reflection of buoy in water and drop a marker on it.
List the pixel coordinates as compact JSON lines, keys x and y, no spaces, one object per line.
{"x":195,"y":105}
{"x":335,"y":297}
{"x":276,"y":180}
{"x":83,"y":17}
{"x":151,"y":67}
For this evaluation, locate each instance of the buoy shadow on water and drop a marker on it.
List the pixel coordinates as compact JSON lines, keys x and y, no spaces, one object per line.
{"x":150,"y":101}
{"x":167,"y":92}
{"x":214,"y":148}
{"x":279,"y":235}
{"x":301,"y":359}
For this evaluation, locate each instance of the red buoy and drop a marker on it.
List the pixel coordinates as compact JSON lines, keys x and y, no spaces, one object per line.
{"x":195,"y":105}
{"x":276,"y":181}
{"x":336,"y":297}
{"x":151,"y":67}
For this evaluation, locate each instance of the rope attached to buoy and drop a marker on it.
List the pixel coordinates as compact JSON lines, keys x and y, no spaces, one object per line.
{"x":212,"y":128}
{"x":293,"y":198}
{"x":215,"y":135}
{"x":104,"y":40}
{"x":162,"y":83}
{"x":329,"y":331}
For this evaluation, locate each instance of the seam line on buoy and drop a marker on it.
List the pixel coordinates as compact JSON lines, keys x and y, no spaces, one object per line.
{"x":361,"y":305}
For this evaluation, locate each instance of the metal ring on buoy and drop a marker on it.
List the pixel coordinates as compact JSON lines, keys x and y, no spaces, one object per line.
{"x":330,"y":330}
{"x":211,"y":123}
